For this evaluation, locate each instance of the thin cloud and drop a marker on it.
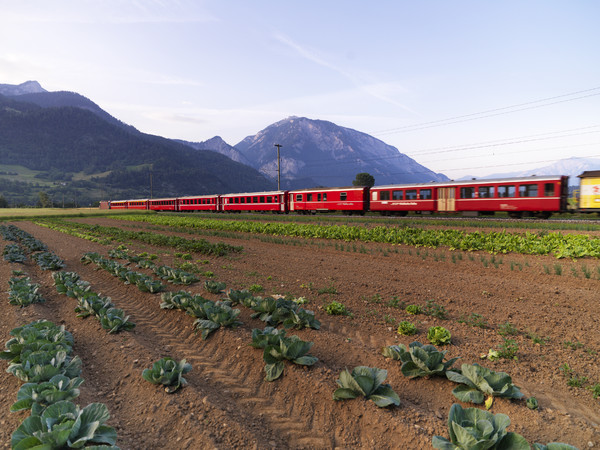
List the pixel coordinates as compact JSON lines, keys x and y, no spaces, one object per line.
{"x":380,"y":91}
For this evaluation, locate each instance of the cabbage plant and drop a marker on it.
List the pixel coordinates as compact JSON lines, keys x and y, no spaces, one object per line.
{"x":168,"y":372}
{"x":48,"y":261}
{"x":38,"y":396}
{"x":419,"y":360}
{"x":268,"y":336}
{"x":290,"y":348}
{"x":244,"y":297}
{"x":64,"y":425}
{"x":478,"y":382}
{"x":368,"y":382}
{"x":43,"y":365}
{"x":115,"y":320}
{"x":474,"y":428}
{"x":554,"y":446}
{"x":41,"y":335}
{"x":214,"y":287}
{"x":217,"y":315}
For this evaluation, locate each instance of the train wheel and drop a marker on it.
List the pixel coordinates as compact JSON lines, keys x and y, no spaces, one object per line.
{"x":542,"y":214}
{"x":515,"y":215}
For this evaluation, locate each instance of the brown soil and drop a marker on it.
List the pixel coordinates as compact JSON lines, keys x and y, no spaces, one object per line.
{"x":227,"y":403}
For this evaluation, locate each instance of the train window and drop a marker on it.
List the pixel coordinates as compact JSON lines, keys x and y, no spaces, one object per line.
{"x":528,"y":190}
{"x":548,"y":189}
{"x":318,"y":197}
{"x":255,"y":200}
{"x":411,"y":194}
{"x":269,"y":199}
{"x":325,"y":196}
{"x":262,"y":198}
{"x":506,"y":191}
{"x":486,"y":191}
{"x":309,"y":197}
{"x":467,"y":192}
{"x":425,"y":194}
{"x":343,"y":196}
{"x":237,"y":199}
{"x":384,"y":195}
{"x":298,"y":197}
{"x":397,"y":195}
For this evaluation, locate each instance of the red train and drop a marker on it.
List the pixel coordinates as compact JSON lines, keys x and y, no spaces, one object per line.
{"x":528,"y":196}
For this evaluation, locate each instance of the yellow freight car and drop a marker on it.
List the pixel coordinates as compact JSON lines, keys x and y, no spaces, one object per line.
{"x":589,"y":191}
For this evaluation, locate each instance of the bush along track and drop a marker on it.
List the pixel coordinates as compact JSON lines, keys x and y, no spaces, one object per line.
{"x":105,"y":234}
{"x":89,"y":303}
{"x":40,"y":354}
{"x":558,"y":244}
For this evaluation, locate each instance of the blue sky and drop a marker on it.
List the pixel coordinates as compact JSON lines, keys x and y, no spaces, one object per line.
{"x":463,"y":87}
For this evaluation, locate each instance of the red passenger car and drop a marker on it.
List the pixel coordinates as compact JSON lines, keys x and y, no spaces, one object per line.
{"x":163,"y":204}
{"x":274,"y":201}
{"x":536,"y":195}
{"x":118,"y":204}
{"x":351,"y":200}
{"x":200,"y":203}
{"x":137,"y":204}
{"x":400,"y":199}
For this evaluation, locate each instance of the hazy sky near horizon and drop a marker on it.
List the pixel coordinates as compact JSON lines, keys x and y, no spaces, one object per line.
{"x":463,"y":87}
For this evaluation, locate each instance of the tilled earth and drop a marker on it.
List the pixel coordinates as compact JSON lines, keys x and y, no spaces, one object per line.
{"x":228,"y":404}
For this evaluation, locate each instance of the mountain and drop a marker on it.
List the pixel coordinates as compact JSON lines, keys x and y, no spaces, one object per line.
{"x":321,"y":153}
{"x":217,"y":144}
{"x":75,"y":152}
{"x":29,"y":87}
{"x":570,"y":166}
{"x":32,"y":92}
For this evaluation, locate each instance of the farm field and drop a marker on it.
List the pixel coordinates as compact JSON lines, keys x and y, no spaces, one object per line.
{"x":551,"y":305}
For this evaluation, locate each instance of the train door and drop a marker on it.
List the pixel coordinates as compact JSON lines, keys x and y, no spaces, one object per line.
{"x":446,"y":199}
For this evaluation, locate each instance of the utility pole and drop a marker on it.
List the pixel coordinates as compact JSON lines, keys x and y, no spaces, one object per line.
{"x":278,"y":167}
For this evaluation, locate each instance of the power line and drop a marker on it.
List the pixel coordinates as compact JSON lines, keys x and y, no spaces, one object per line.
{"x":490,"y":112}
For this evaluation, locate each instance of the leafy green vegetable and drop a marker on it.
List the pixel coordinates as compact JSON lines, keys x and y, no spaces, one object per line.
{"x":474,"y":428}
{"x":554,"y":446}
{"x":336,"y":309}
{"x":419,"y":360}
{"x":366,"y":381}
{"x":532,"y":403}
{"x":274,"y":311}
{"x":438,"y":336}
{"x":407,"y":328}
{"x":214,"y":287}
{"x":64,"y":425}
{"x":268,"y":336}
{"x":43,"y":365}
{"x":114,"y":320}
{"x":38,"y":396}
{"x":217,"y":315}
{"x":23,"y":293}
{"x":290,"y":348}
{"x":41,"y":335}
{"x":244,"y":297}
{"x":168,"y":372}
{"x":477,"y":382}
{"x":48,"y":261}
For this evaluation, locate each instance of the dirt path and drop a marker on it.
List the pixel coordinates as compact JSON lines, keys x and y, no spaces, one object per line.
{"x":227,"y":403}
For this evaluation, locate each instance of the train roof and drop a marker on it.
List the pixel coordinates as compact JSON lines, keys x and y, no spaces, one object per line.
{"x":199,"y":196}
{"x":474,"y":181}
{"x":343,"y":188}
{"x":254,"y":193}
{"x":589,"y":173}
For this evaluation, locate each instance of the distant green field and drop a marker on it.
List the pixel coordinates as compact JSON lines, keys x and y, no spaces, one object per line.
{"x":28,"y":213}
{"x":23,"y":174}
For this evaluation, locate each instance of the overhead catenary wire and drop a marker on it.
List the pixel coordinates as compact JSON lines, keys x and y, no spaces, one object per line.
{"x":490,"y":112}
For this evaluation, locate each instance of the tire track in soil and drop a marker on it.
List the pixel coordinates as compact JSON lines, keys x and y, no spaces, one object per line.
{"x":167,"y":326}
